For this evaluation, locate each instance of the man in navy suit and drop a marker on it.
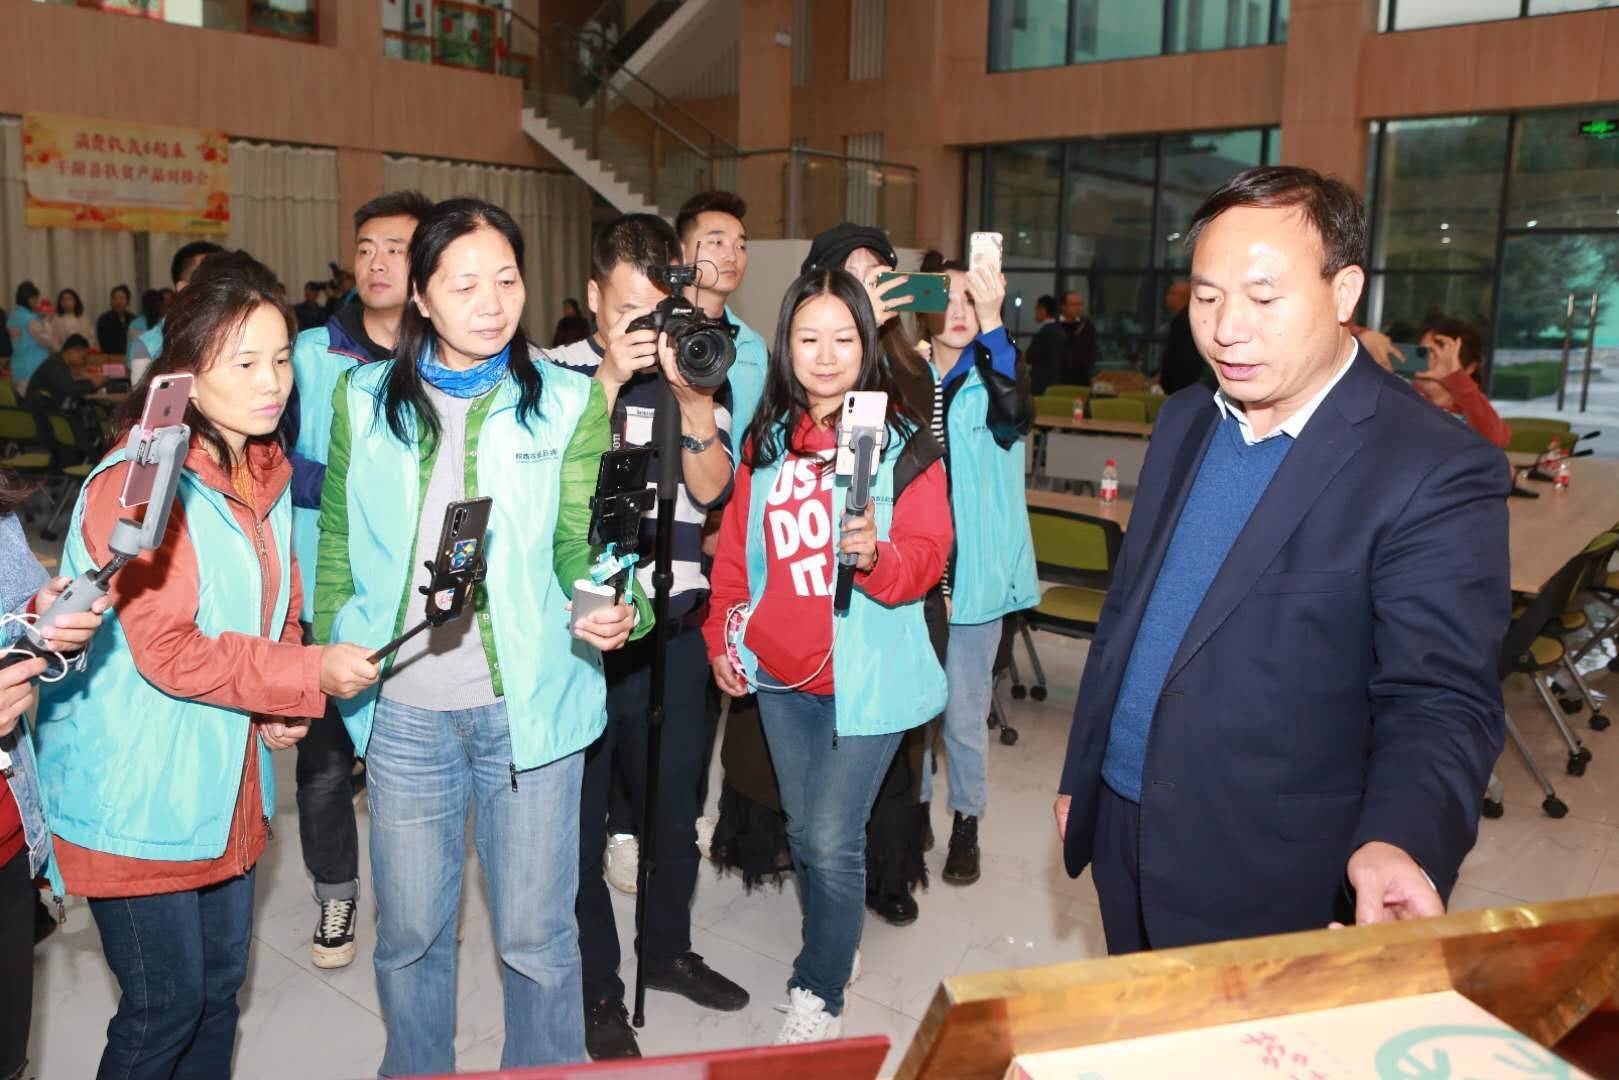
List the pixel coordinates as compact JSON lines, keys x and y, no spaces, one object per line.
{"x":1291,"y":707}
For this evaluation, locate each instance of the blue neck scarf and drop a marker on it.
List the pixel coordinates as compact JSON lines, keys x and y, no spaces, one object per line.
{"x":472,"y":383}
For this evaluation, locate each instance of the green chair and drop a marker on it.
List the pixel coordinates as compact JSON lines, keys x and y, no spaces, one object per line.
{"x":1152,"y":401}
{"x":20,"y":445}
{"x":71,"y":464}
{"x":1078,"y":552}
{"x":1054,"y":405}
{"x":1072,"y":390}
{"x":1530,"y":435}
{"x":1119,"y":408}
{"x":8,"y":394}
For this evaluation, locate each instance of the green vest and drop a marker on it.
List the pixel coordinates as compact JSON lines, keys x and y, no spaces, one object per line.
{"x":886,"y":677}
{"x":125,"y":768}
{"x":551,"y":681}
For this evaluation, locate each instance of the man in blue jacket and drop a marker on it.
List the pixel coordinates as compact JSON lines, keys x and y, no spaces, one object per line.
{"x":363,"y":330}
{"x":1291,"y":707}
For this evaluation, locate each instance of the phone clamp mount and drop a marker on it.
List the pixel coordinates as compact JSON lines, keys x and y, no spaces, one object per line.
{"x":612,"y":567}
{"x":447,"y":593}
{"x":864,"y":444}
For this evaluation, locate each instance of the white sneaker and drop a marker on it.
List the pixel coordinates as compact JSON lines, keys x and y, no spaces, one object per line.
{"x":623,"y":862}
{"x":807,"y":1019}
{"x":705,"y":835}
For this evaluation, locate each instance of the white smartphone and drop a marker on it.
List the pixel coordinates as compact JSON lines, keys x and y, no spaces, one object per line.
{"x":985,"y":250}
{"x":863,"y":410}
{"x":588,"y":598}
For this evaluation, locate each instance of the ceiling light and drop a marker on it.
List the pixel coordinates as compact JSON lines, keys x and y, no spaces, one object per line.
{"x":1531,"y":224}
{"x":1444,"y":226}
{"x":1446,"y":240}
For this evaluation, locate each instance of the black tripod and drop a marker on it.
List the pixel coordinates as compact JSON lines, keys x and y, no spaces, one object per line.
{"x":666,"y":438}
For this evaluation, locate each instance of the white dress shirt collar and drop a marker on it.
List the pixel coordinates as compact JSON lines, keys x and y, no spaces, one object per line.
{"x":1293,"y":424}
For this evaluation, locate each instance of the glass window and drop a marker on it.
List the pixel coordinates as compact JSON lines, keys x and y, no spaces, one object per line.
{"x":1279,"y":35}
{"x":1563,"y":176}
{"x":1194,"y":167}
{"x":1439,"y":193}
{"x":1022,"y":290}
{"x":1218,"y":24}
{"x":1024,"y":186}
{"x":1028,"y":34}
{"x":1537,"y":275}
{"x":1398,"y":304}
{"x":1124,"y":308}
{"x":1110,"y":187}
{"x":1116,"y":29}
{"x":1414,"y":14}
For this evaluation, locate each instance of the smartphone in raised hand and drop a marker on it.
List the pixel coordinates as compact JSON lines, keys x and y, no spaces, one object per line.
{"x":984,"y":251}
{"x":166,"y":402}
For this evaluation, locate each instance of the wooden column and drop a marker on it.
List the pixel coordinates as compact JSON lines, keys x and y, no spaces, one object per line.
{"x":1321,"y":122}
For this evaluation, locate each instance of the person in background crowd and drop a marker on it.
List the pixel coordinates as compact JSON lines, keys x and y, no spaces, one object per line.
{"x":1182,"y":365}
{"x":833,"y":718}
{"x":161,"y":822}
{"x":362,"y":332}
{"x":496,"y":710}
{"x":311,"y":310}
{"x":25,"y":842}
{"x":29,"y":331}
{"x":987,"y":414}
{"x":112,"y":328}
{"x":340,"y":290}
{"x":151,"y":314}
{"x":1048,"y":348}
{"x":713,"y":237}
{"x":1452,"y":381}
{"x":5,"y":339}
{"x":69,"y":319}
{"x":167,"y":294}
{"x":57,"y":388}
{"x":1287,"y":716}
{"x":631,"y":367}
{"x":1083,"y":353}
{"x":149,"y":346}
{"x":571,"y":327}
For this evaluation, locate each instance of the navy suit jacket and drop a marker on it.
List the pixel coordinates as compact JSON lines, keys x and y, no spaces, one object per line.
{"x":1339,"y":683}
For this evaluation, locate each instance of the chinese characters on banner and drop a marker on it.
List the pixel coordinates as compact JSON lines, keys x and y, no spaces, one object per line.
{"x":83,"y":173}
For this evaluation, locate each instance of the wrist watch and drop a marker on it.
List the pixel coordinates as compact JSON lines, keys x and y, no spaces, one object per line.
{"x":697,"y":446}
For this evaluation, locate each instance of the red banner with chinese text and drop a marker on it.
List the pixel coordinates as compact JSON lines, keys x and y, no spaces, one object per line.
{"x":83,"y":173}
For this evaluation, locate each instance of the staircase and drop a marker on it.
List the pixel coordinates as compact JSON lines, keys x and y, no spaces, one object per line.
{"x":637,"y":148}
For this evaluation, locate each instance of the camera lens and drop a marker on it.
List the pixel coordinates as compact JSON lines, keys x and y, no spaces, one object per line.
{"x":704,"y":355}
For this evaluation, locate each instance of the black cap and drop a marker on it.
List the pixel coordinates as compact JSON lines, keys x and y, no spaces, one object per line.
{"x":830,"y":248}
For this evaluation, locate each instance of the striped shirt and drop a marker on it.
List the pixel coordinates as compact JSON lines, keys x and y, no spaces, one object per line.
{"x":632,"y":426}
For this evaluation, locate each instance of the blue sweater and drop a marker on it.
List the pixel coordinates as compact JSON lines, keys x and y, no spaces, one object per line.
{"x":1229,"y":484}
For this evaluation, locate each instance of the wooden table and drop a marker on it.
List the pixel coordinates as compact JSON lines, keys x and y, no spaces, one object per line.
{"x":1549,"y":531}
{"x":1100,"y":427}
{"x":1090,"y":505}
{"x":110,"y":398}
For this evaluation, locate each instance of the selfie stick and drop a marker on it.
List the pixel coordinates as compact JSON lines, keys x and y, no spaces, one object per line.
{"x":863,"y":441}
{"x":666,"y":437}
{"x":458,"y":583}
{"x":163,"y":447}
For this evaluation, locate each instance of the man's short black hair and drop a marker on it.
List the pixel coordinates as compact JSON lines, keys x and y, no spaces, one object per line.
{"x":116,"y":289}
{"x":704,"y":202}
{"x":180,"y":266}
{"x":405,"y":203}
{"x":1047,"y":303}
{"x":314,"y":286}
{"x":75,"y":341}
{"x":644,"y":241}
{"x":1332,"y":208}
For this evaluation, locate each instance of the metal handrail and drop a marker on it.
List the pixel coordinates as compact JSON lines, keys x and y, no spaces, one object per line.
{"x":812,"y":152}
{"x":605,"y":74}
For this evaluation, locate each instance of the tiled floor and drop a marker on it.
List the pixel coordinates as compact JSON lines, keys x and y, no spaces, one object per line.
{"x":297,"y":1022}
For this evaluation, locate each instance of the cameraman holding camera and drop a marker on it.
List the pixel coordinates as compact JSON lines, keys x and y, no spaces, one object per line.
{"x":629,"y":258}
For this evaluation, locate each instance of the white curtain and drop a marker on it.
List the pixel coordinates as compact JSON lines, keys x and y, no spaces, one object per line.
{"x":283,"y":212}
{"x":84,"y":260}
{"x":552,"y":209}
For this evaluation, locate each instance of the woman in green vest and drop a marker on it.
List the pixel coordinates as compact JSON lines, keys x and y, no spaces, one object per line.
{"x":836,"y":692}
{"x":154,"y":765}
{"x":493,"y":711}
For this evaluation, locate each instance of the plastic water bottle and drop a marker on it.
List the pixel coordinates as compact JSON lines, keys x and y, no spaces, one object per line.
{"x":1109,"y":488}
{"x":1560,"y":476}
{"x":1079,"y":408}
{"x":1553,"y":453}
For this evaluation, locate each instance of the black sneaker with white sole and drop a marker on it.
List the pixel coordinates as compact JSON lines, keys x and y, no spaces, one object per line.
{"x":333,"y":945}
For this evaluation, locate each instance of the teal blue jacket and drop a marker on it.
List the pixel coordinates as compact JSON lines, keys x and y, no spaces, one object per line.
{"x":986,"y":419}
{"x":127,"y":769}
{"x":541,"y":478}
{"x":747,"y":376}
{"x":886,"y":676}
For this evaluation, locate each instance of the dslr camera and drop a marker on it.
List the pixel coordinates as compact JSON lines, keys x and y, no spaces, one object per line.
{"x":704,"y":348}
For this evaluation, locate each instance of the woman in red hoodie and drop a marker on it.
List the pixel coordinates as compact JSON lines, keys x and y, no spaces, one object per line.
{"x":154,"y":762}
{"x":837,"y":692}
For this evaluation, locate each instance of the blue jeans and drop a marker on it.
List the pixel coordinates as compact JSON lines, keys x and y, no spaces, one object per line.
{"x":969,"y":666}
{"x":424,"y":770}
{"x":828,"y":785}
{"x":179,"y":959}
